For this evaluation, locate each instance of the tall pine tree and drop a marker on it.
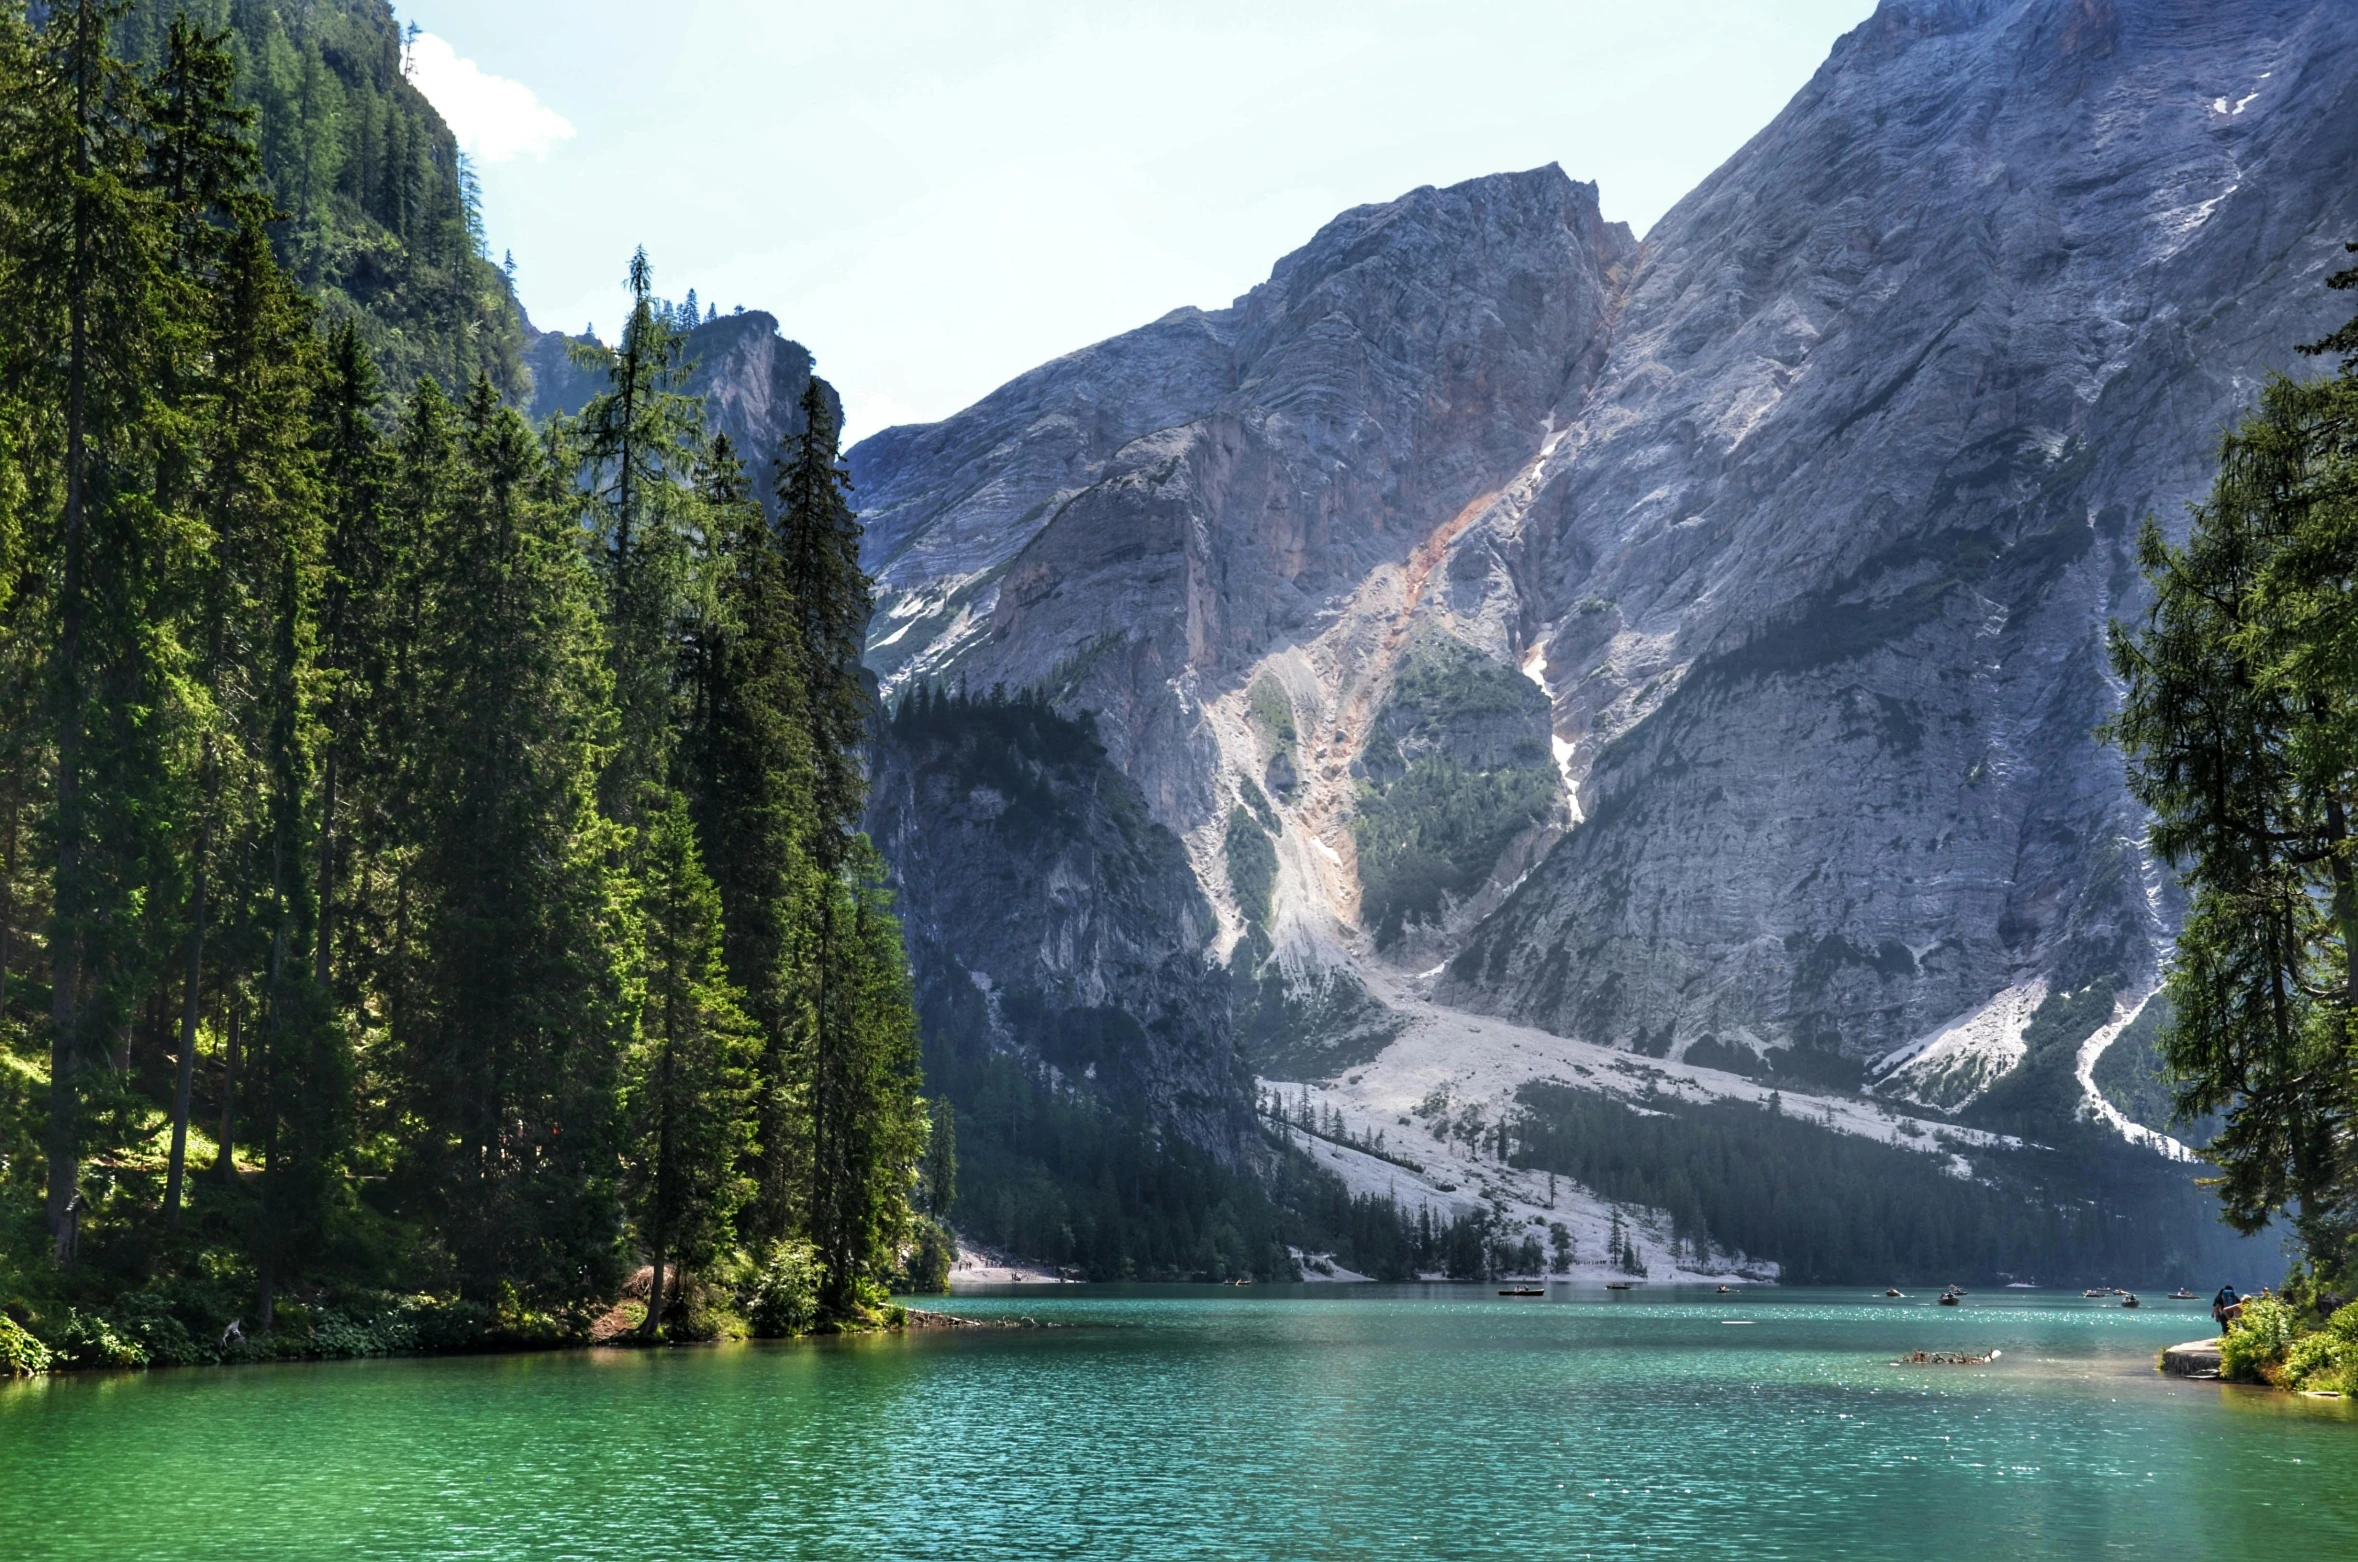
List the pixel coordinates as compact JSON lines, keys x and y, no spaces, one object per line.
{"x":746,"y":767}
{"x":512,"y":1035}
{"x":687,"y":1101}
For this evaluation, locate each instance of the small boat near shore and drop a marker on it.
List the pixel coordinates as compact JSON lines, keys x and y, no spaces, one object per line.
{"x":2129,"y":1299}
{"x":1951,"y":1297}
{"x":1617,"y":1285}
{"x":1893,"y":1290}
{"x":1522,"y":1290}
{"x":2182,"y":1295}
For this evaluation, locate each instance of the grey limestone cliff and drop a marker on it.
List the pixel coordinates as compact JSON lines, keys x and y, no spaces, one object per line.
{"x":1140,"y":551}
{"x":1822,"y":576}
{"x":1804,"y":519}
{"x":1049,"y":919}
{"x":750,"y":375}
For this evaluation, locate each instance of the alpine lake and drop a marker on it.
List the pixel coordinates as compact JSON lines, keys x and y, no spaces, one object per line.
{"x":1269,"y":1422}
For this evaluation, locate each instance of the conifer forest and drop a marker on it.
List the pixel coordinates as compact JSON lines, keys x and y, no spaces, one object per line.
{"x":432,"y":875}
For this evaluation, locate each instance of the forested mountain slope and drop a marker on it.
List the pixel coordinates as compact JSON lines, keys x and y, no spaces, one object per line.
{"x":382,"y":222}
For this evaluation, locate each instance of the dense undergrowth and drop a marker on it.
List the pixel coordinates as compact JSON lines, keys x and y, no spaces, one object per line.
{"x":147,"y":1294}
{"x":2301,"y":1340}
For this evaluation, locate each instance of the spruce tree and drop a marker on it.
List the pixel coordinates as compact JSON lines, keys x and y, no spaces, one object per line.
{"x":87,"y":246}
{"x":941,"y":1158}
{"x":360,"y":618}
{"x":512,"y":1031}
{"x":831,"y":598}
{"x":257,"y":497}
{"x":203,"y":167}
{"x":687,"y":1097}
{"x":641,"y":438}
{"x":2240,"y":720}
{"x":746,"y":767}
{"x":867,"y":1121}
{"x":263,"y":480}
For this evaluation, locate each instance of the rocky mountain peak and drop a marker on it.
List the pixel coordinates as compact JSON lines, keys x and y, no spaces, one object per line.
{"x":749,"y":373}
{"x":1805,"y":520}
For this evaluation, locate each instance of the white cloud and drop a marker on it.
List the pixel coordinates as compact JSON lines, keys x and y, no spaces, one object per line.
{"x":495,"y":119}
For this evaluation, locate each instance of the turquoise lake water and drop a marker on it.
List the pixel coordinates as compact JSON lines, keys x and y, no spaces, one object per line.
{"x":1316,"y":1422}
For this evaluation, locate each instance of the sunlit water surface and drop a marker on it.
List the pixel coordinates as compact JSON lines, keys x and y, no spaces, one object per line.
{"x":1193,"y":1422}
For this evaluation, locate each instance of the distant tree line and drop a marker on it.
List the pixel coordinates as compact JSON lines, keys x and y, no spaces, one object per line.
{"x":429,"y":845}
{"x":1831,"y":1207}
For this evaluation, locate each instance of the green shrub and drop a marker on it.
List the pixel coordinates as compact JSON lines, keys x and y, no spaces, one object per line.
{"x":21,"y":1355}
{"x":2343,"y":1325}
{"x":2321,"y":1361}
{"x":785,"y":1295}
{"x":449,"y":1326}
{"x":1435,"y":833}
{"x":88,"y":1340}
{"x":1272,"y":710}
{"x":1258,"y":801}
{"x":706,"y":1311}
{"x":164,"y":1340}
{"x":2257,"y":1343}
{"x":367,"y":1325}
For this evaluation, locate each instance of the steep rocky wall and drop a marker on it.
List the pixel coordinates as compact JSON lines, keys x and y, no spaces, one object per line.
{"x":1806,"y":518}
{"x":1853,"y":502}
{"x":750,"y":376}
{"x":1405,"y":361}
{"x":1049,"y":917}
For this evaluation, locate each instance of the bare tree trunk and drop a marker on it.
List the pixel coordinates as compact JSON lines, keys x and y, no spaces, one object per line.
{"x":184,"y":1087}
{"x":270,"y":1066}
{"x":8,"y":901}
{"x":2345,"y":899}
{"x":64,"y":1169}
{"x":327,"y":870}
{"x":225,"y":1160}
{"x":663,"y":1171}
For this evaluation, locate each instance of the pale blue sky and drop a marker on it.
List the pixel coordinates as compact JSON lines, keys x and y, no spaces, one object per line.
{"x":936,"y":195}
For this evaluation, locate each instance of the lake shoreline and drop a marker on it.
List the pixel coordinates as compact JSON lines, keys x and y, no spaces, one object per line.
{"x":1200,"y":1421}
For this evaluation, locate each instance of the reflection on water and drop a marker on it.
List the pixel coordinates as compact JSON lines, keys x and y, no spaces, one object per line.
{"x":1201,"y":1422}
